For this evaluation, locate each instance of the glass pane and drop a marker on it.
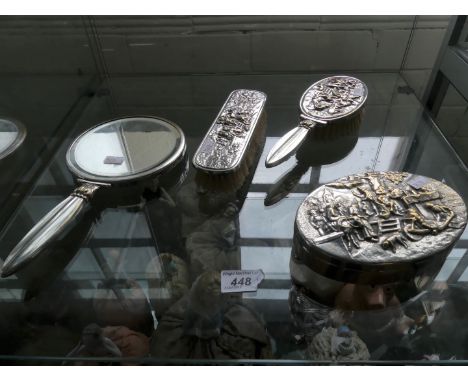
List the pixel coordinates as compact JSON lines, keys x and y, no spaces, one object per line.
{"x":463,"y":40}
{"x":452,"y":119}
{"x":144,"y":273}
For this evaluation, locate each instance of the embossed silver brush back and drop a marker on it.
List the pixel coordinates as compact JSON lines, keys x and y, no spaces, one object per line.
{"x":224,"y":146}
{"x":325,"y":101}
{"x":333,"y":98}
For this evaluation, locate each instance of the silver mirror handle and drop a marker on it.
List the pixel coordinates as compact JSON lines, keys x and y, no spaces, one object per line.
{"x":288,"y":144}
{"x":48,"y":229}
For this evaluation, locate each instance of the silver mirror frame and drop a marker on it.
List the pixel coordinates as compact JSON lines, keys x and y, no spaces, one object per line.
{"x":170,"y":162}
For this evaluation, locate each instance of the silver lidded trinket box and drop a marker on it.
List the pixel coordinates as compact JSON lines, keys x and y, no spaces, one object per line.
{"x":375,"y":228}
{"x":226,"y":145}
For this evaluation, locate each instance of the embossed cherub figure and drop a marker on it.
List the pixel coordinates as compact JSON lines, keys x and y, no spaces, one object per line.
{"x":318,"y":220}
{"x":350,"y":238}
{"x":389,"y":201}
{"x":361,"y":224}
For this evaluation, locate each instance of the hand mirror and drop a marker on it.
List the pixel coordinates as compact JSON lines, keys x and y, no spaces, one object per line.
{"x":324,"y":102}
{"x":129,"y":153}
{"x":12,"y":135}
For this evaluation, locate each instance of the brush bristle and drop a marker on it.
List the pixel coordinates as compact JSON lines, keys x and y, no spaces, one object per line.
{"x":329,"y":143}
{"x":340,"y":127}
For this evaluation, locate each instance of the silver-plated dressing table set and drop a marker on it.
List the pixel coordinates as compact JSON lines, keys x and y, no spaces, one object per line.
{"x":364,"y":228}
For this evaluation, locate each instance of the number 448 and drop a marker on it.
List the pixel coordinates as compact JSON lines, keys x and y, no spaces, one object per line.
{"x":242,"y":281}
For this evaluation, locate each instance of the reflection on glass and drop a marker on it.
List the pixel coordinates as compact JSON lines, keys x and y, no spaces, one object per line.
{"x":453,"y":121}
{"x":258,"y":221}
{"x":265,"y":175}
{"x":463,"y":40}
{"x":125,"y":147}
{"x":273,"y":261}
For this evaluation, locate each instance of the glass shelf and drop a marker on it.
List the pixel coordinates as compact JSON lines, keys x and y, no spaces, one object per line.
{"x":145,"y":272}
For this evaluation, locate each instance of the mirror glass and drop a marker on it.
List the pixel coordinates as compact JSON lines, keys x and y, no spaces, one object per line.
{"x":125,"y":147}
{"x":11,"y":136}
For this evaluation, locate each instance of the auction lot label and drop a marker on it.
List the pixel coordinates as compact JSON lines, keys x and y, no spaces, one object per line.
{"x":241,"y":280}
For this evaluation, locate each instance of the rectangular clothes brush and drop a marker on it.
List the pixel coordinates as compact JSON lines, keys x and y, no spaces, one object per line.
{"x":230,"y":147}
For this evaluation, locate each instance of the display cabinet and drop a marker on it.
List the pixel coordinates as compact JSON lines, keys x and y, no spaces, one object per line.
{"x":138,"y":282}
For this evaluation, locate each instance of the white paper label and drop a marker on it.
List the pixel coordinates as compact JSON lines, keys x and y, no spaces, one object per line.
{"x":113,"y":160}
{"x":241,"y":280}
{"x":418,"y":181}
